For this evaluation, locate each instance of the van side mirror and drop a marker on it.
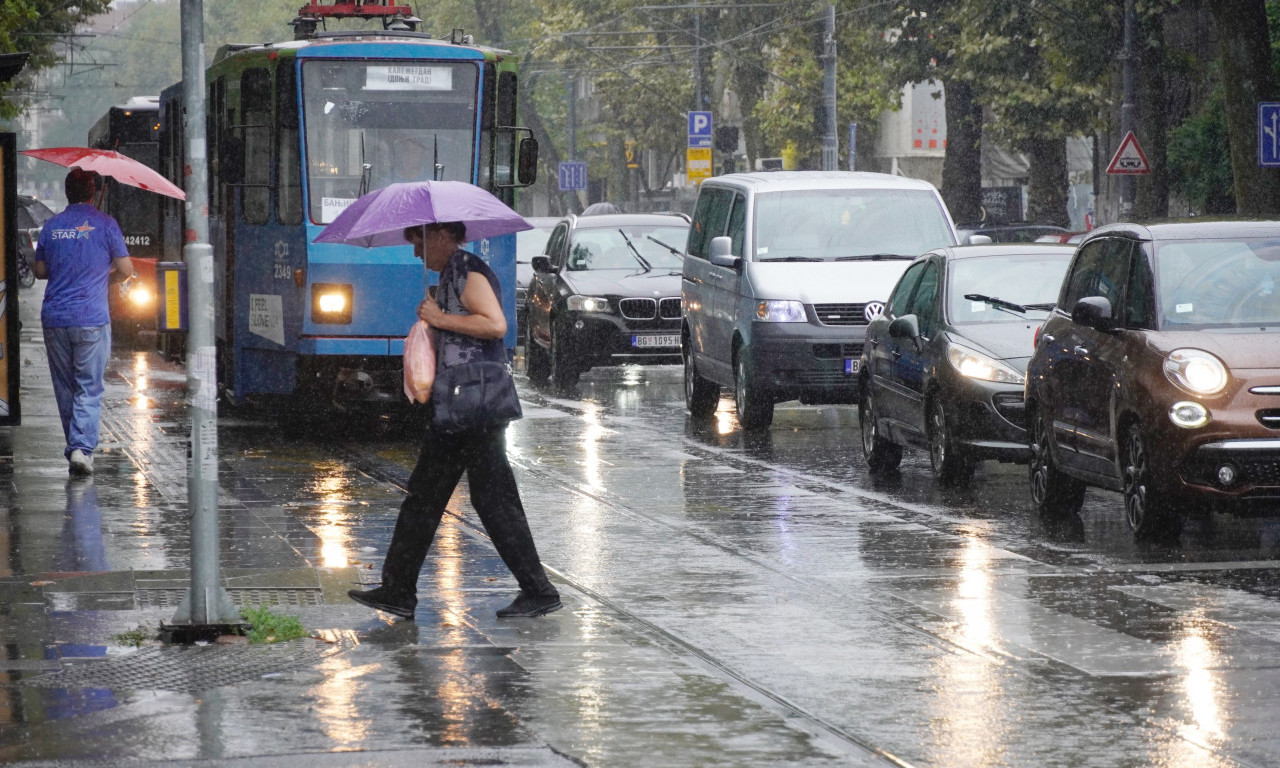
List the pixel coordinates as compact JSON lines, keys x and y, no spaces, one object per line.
{"x":905,"y":327}
{"x":979,"y":240}
{"x":541,"y":263}
{"x":721,"y":253}
{"x":1093,"y":312}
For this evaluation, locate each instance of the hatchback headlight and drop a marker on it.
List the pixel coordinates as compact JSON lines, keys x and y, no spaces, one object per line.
{"x":1196,"y":371}
{"x":780,"y":312}
{"x":587,"y":304}
{"x":975,"y":365}
{"x":331,"y":303}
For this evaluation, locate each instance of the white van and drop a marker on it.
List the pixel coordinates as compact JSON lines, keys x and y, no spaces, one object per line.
{"x":782,"y":273}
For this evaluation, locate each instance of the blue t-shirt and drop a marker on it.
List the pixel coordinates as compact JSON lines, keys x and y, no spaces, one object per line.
{"x":78,"y":246}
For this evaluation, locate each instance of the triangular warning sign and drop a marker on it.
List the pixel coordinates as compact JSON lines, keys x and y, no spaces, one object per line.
{"x":1129,"y":157}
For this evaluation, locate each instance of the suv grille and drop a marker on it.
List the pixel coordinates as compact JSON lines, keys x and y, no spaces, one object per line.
{"x":1270,"y":418}
{"x":638,"y":309}
{"x":841,"y":314}
{"x":670,"y":309}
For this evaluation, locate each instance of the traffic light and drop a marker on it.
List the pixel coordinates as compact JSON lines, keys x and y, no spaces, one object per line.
{"x":726,"y":139}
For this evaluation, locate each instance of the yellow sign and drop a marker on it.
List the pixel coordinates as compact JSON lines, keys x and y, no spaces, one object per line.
{"x":698,"y":164}
{"x":633,"y":159}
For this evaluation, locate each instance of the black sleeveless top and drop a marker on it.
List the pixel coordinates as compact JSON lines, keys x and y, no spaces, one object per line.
{"x":457,"y":348}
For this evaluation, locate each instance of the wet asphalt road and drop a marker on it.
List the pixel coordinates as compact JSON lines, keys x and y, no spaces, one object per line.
{"x":730,"y":600}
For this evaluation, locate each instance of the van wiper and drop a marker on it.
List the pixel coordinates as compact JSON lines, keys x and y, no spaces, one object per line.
{"x":634,"y":252}
{"x":997,"y":303}
{"x":790,"y":258}
{"x":875,"y":257}
{"x":664,"y":245}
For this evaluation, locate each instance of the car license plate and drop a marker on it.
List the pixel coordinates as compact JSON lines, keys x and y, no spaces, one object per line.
{"x":645,"y":342}
{"x":851,"y":365}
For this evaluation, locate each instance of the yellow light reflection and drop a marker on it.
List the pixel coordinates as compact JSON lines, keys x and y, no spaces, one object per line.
{"x":331,"y":528}
{"x":591,"y":461}
{"x":1199,"y":658}
{"x":335,"y":703}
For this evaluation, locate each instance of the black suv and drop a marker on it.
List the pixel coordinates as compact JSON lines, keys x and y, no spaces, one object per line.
{"x":605,"y":292}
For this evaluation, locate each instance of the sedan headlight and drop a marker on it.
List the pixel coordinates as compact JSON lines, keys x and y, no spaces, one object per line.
{"x":1196,"y":371}
{"x":975,"y":365}
{"x":588,"y":304}
{"x":331,"y":303}
{"x":780,"y":312}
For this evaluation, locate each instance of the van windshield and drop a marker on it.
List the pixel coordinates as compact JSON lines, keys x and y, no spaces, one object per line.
{"x":845,"y":224}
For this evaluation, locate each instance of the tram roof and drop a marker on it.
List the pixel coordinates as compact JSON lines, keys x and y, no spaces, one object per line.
{"x":368,"y":43}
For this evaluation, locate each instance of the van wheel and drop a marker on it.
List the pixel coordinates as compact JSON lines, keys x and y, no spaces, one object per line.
{"x":536,"y":362}
{"x":755,"y":410}
{"x":950,"y":463}
{"x":700,"y":396}
{"x":882,"y":455}
{"x":1053,"y":493}
{"x":1150,"y":513}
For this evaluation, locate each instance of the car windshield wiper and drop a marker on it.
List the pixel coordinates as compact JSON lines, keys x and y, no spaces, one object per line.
{"x":664,"y":245}
{"x":997,"y":303}
{"x":875,"y":257}
{"x":1042,"y":307}
{"x":790,"y":258}
{"x":634,"y":252}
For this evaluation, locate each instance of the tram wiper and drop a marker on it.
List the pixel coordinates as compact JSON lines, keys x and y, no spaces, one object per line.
{"x":634,"y":252}
{"x":366,"y":170}
{"x":438,"y":167}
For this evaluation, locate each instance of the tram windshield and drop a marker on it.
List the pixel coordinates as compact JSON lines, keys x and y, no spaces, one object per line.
{"x":372,"y":123}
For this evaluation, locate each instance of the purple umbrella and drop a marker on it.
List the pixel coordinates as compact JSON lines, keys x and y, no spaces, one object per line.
{"x":379,"y":218}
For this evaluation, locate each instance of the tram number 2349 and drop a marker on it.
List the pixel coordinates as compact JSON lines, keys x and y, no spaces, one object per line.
{"x":137,"y":239}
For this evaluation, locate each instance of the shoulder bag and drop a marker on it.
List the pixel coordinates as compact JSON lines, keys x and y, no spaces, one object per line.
{"x":473,"y":396}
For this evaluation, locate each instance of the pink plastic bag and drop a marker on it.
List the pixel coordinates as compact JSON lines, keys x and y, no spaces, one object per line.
{"x":419,"y":362}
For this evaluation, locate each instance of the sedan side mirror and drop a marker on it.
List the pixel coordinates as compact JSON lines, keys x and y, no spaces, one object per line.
{"x":721,"y":253}
{"x":1093,"y":312}
{"x":541,"y":263}
{"x":905,"y":327}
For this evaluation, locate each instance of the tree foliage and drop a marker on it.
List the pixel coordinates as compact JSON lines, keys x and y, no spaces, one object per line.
{"x":32,"y":26}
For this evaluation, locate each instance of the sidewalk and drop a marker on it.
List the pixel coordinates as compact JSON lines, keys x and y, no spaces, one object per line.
{"x":84,"y":561}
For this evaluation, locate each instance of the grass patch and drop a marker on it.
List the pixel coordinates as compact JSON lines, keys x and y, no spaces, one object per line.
{"x":268,"y":627}
{"x":136,"y":637}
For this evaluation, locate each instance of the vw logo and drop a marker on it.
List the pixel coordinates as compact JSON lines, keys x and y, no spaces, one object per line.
{"x":873,"y":309}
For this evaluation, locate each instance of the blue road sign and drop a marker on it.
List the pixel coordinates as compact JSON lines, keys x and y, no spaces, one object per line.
{"x":573,"y":177}
{"x":699,"y":129}
{"x":1269,"y":134}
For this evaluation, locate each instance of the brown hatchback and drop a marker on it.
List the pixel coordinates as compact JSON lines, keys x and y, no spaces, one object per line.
{"x":1158,"y":374}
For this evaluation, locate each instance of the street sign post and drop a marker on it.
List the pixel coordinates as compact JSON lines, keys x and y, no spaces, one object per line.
{"x":1269,"y":134}
{"x":1129,"y":158}
{"x":573,"y":176}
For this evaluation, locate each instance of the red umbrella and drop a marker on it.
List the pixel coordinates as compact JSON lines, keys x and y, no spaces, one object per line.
{"x":108,"y":162}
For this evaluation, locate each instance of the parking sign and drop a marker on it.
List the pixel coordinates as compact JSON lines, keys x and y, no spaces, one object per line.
{"x":699,"y":129}
{"x":1269,"y":134}
{"x":573,"y":177}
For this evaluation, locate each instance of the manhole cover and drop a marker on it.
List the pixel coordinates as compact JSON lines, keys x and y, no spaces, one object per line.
{"x":257,"y":597}
{"x":189,"y":669}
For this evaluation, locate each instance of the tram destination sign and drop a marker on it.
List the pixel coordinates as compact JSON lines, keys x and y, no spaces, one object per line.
{"x":407,"y":77}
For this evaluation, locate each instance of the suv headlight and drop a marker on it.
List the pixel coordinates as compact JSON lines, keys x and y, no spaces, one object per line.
{"x":780,"y":312}
{"x":975,"y":365}
{"x":587,"y":304}
{"x":1196,"y":371}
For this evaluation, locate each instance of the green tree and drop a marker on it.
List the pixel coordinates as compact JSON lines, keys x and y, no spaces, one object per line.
{"x":33,"y":26}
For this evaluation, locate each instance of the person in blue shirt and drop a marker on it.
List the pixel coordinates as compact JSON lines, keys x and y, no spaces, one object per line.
{"x":80,"y":251}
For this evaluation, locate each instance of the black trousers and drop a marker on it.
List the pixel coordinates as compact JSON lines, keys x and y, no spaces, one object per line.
{"x":482,"y":454}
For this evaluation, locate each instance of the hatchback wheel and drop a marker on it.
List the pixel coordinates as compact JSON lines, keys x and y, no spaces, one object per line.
{"x":700,"y":395}
{"x":951,"y":465}
{"x":755,"y":410}
{"x":1149,"y":512}
{"x":882,"y":455}
{"x":1053,"y":493}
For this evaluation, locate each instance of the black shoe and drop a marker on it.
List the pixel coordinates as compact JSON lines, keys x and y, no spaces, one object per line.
{"x":527,"y":606}
{"x":378,"y":598}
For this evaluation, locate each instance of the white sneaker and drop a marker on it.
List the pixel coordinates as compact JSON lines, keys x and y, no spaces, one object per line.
{"x":81,"y":463}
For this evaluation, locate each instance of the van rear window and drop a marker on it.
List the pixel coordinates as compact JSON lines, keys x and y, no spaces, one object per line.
{"x":847,"y":224}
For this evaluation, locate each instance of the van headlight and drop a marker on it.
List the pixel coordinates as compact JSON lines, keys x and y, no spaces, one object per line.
{"x":974,"y":365}
{"x":780,"y":312}
{"x":331,"y":303}
{"x":1196,"y":371}
{"x":578,"y":303}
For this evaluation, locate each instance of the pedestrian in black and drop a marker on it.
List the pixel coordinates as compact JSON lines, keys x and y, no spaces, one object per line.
{"x":469,"y":326}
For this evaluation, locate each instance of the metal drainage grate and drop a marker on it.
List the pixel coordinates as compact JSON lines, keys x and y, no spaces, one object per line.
{"x":189,"y":669}
{"x":256,"y":597}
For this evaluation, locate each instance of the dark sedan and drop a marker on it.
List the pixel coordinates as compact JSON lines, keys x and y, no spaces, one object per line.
{"x":32,"y":214}
{"x":943,"y":367}
{"x":529,"y":243}
{"x":606,"y":292}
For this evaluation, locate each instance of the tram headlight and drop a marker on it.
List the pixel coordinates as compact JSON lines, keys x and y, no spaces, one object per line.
{"x":331,"y":303}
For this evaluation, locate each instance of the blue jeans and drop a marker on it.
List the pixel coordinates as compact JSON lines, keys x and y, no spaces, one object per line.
{"x":78,"y":362}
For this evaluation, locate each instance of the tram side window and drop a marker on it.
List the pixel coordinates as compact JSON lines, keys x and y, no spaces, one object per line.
{"x":255,"y":107}
{"x":288,"y":163}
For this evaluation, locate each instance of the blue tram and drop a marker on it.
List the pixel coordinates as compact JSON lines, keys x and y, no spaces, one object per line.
{"x":296,"y":132}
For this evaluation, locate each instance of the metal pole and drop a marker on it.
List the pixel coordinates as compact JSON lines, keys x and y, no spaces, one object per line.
{"x":206,"y":603}
{"x":830,"y":144}
{"x":1129,"y":107}
{"x":573,"y":117}
{"x":697,"y":57}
